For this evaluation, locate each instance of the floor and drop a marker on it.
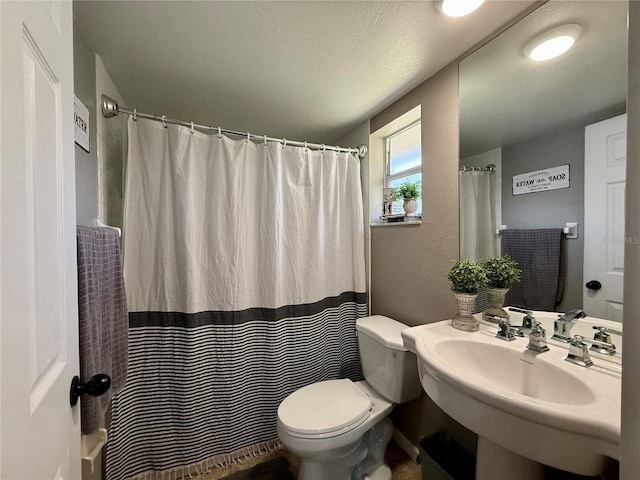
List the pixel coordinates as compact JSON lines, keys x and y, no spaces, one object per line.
{"x":402,"y":467}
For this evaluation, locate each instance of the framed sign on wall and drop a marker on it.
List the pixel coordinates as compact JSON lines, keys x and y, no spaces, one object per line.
{"x":541,"y":180}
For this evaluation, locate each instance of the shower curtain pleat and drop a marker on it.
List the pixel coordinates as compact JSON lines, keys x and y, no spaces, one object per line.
{"x":244,"y":269}
{"x":478,"y":239}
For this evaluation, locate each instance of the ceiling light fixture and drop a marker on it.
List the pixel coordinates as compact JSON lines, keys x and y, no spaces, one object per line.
{"x":553,"y":42}
{"x":458,"y":8}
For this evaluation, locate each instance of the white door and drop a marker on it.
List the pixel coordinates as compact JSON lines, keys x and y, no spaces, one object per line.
{"x":40,"y":432}
{"x":604,"y":183}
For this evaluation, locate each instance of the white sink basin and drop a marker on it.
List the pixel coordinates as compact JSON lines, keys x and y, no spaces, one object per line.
{"x":501,"y":366}
{"x":535,"y":405}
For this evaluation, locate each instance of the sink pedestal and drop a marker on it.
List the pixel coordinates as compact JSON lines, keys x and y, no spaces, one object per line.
{"x":496,"y":463}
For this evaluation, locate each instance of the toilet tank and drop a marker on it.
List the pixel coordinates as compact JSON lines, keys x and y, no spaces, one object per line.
{"x":388,"y":366}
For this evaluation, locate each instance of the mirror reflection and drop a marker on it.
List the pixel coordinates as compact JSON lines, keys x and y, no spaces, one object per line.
{"x":553,"y":135}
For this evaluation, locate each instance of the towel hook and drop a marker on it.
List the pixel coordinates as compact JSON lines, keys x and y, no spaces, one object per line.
{"x":164,"y":117}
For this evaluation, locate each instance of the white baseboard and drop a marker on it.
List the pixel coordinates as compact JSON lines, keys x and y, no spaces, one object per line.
{"x":405,"y":444}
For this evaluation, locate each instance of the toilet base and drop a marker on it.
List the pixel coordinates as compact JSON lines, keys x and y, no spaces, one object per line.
{"x":383,"y":472}
{"x":364,"y":462}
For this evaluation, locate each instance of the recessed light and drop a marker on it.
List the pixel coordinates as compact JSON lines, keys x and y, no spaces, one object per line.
{"x":553,"y":42}
{"x":458,"y":8}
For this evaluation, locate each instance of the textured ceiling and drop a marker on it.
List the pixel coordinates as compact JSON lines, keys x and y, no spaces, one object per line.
{"x":304,"y":70}
{"x":506,"y":98}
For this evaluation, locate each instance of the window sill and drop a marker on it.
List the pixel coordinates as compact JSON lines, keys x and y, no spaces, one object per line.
{"x":397,"y":224}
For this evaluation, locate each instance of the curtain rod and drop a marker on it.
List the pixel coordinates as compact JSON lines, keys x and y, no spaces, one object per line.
{"x":110,"y":108}
{"x":489,"y":168}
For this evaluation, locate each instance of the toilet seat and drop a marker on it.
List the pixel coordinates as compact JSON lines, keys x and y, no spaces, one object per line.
{"x":324,"y":409}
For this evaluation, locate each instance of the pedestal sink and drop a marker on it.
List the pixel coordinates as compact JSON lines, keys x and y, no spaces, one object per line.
{"x":527,"y":408}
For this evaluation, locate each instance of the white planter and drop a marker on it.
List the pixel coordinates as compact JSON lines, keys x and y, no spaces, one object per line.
{"x":410,"y":206}
{"x":495,"y":312}
{"x":465,"y":320}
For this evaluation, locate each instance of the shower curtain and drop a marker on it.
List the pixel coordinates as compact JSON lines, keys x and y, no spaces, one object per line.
{"x":478,"y":237}
{"x":244,"y":270}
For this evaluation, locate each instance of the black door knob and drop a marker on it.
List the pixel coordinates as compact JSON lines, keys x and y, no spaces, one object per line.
{"x":96,"y":386}
{"x":593,"y":285}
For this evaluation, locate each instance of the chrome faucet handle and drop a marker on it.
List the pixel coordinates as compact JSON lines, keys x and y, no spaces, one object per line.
{"x":537,"y":338}
{"x":579,"y":351}
{"x":493,"y":316}
{"x":529,"y":322}
{"x":573,"y":315}
{"x":564,"y":323}
{"x":607,"y":330}
{"x":603,"y":336}
{"x":505,"y":331}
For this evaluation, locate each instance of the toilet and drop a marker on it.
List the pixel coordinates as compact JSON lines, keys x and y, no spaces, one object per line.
{"x":340,"y":429}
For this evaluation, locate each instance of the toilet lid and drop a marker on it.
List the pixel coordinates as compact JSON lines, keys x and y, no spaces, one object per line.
{"x":324,"y":407}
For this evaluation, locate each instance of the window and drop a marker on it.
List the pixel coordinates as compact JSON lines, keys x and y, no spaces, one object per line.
{"x":404,"y":161}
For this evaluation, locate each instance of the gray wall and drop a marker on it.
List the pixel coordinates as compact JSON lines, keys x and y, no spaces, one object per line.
{"x":84,"y":77}
{"x":409,"y":264}
{"x":551,"y":208}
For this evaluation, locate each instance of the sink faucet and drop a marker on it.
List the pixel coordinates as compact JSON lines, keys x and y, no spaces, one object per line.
{"x":527,"y":322}
{"x":529,"y":328}
{"x":604,"y":335}
{"x":537,"y":337}
{"x":562,"y":326}
{"x":505,"y":331}
{"x":579,"y":351}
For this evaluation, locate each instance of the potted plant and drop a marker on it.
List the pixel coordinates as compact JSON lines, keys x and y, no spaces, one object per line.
{"x":466,"y":278}
{"x":409,"y":191}
{"x":502,"y":272}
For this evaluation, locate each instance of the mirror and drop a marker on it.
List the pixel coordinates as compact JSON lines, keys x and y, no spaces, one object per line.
{"x":525,"y":116}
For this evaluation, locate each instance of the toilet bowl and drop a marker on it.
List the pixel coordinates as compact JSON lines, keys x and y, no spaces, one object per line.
{"x":340,"y":429}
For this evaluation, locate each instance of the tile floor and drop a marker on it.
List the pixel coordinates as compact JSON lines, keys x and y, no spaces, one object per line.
{"x":402,"y":467}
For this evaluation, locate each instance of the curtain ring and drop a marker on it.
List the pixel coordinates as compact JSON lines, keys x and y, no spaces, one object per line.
{"x":163,"y":121}
{"x":337,"y":148}
{"x":219,"y":132}
{"x":284,"y":143}
{"x":305,"y":145}
{"x":324,"y":148}
{"x":192,"y":129}
{"x":265,"y":140}
{"x":248,"y":137}
{"x":135,"y":114}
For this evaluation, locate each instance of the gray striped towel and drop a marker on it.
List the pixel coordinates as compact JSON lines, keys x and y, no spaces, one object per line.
{"x":103,"y":317}
{"x":540,"y":255}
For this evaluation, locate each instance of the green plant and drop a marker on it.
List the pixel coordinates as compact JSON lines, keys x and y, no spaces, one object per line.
{"x":466,"y":276}
{"x":408,"y":189}
{"x":502,"y":272}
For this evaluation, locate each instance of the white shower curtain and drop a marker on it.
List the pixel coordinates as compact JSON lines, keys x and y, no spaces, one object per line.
{"x":478,"y":237}
{"x":244,"y":269}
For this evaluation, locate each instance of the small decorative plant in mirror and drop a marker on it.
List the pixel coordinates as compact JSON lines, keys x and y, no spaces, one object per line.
{"x":466,"y":277}
{"x":502,"y":272}
{"x":409,"y":191}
